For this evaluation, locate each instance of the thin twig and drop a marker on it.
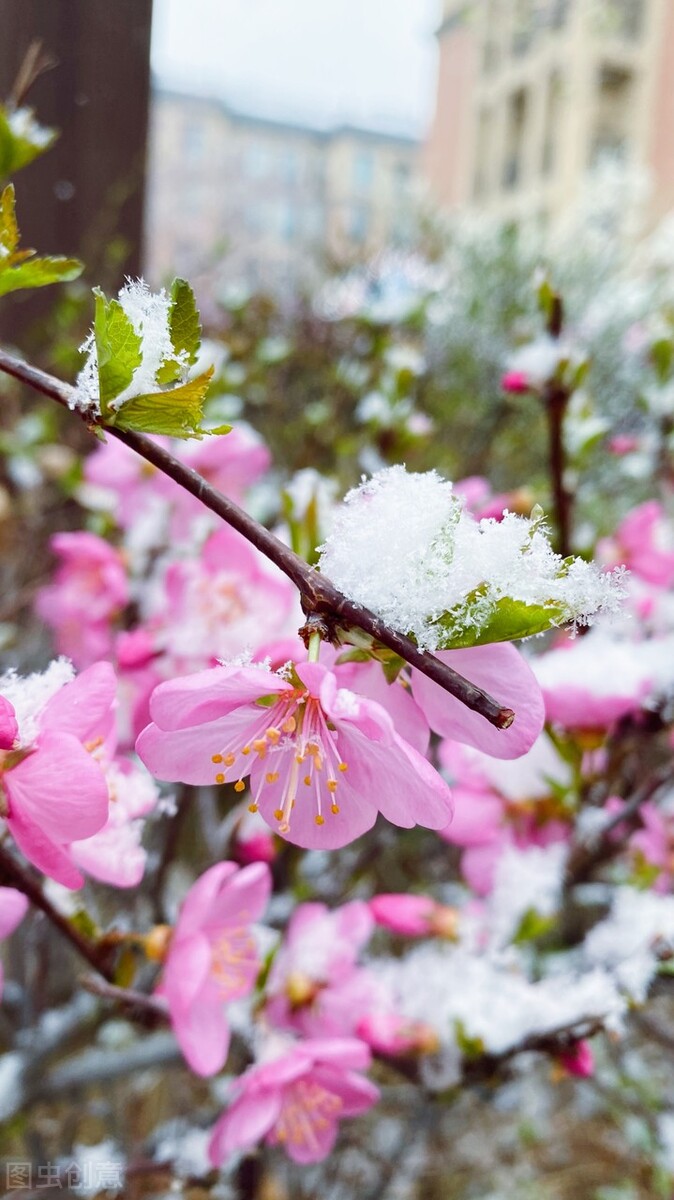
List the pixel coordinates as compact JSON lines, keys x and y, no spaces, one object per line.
{"x":149,"y":1006}
{"x":587,"y":855}
{"x":17,"y":876}
{"x":321,"y":600}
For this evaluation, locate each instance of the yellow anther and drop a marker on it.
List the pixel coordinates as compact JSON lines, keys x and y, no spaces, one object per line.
{"x":271,"y":776}
{"x":307,"y":780}
{"x":245,"y":749}
{"x":289,"y":725}
{"x":278,"y":814}
{"x":260,"y":746}
{"x":343,"y":766}
{"x":319,"y":819}
{"x":273,"y":735}
{"x":239,"y":786}
{"x":332,"y":785}
{"x":219,"y":778}
{"x":312,"y":747}
{"x":229,"y":759}
{"x":318,"y":762}
{"x":216,"y":758}
{"x":299,"y":758}
{"x":252,"y":808}
{"x":284,"y":828}
{"x":334,"y":808}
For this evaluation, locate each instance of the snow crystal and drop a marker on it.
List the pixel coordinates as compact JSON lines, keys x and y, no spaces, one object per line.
{"x":630,"y":941}
{"x":22,"y":123}
{"x":526,"y":880}
{"x":490,"y":998}
{"x":29,"y":694}
{"x":403,"y":546}
{"x":149,"y":314}
{"x":606,"y":666}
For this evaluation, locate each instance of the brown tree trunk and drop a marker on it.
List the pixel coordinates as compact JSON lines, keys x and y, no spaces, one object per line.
{"x":85,"y":196}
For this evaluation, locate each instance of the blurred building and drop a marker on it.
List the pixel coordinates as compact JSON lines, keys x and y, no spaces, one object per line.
{"x":234,"y":197}
{"x":534,"y":93}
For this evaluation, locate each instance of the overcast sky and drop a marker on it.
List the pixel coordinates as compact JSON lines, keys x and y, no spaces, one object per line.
{"x":370,"y":62}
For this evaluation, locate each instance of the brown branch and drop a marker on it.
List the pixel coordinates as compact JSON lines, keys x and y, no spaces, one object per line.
{"x":151,"y":1009}
{"x":17,"y":876}
{"x":587,"y":855}
{"x":321,"y":600}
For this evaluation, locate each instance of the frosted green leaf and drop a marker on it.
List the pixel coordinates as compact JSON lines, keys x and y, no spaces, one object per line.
{"x":21,"y":268}
{"x":143,"y":343}
{"x":178,"y":412}
{"x":184,"y":331}
{"x":118,"y":349}
{"x":507,"y":621}
{"x":22,"y":139}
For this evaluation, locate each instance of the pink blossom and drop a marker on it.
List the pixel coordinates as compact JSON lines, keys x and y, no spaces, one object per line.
{"x":516,"y":382}
{"x":578,"y":1060}
{"x":501,"y":804}
{"x":322,"y":760}
{"x":119,"y":480}
{"x":115,"y":854}
{"x":232,"y":463}
{"x":87,"y":593}
{"x":590,"y":683}
{"x":213,"y":959}
{"x":500,"y":670}
{"x":315,"y":985}
{"x":13,"y":906}
{"x":52,"y":789}
{"x":644,"y":542}
{"x":252,"y":840}
{"x":414,"y":916}
{"x":220,"y":604}
{"x":394,"y":1036}
{"x":623,"y":443}
{"x":297,"y":1100}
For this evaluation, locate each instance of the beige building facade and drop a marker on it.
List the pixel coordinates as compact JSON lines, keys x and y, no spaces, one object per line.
{"x":533,"y":94}
{"x":242,"y":199}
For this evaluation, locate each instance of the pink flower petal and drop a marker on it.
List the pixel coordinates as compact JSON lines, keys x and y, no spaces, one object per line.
{"x":502,"y":672}
{"x":60,"y":788}
{"x":247,"y":1120}
{"x":82,"y":707}
{"x":9,"y":729}
{"x":13,"y":906}
{"x":208,"y":695}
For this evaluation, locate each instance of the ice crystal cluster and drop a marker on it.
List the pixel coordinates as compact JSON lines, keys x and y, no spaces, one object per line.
{"x":149,"y":314}
{"x":403,"y":545}
{"x":29,"y":694}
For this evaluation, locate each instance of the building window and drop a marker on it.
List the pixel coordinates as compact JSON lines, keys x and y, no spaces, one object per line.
{"x":363,"y":169}
{"x":359,"y":220}
{"x":523,"y":27}
{"x":257,"y":160}
{"x":552,"y":123}
{"x":516,"y":127}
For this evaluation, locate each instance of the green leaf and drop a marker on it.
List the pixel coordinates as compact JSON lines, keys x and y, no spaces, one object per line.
{"x":16,"y":149}
{"x":175,"y":413}
{"x":39,"y":272}
{"x":118,"y":348}
{"x":20,"y":268}
{"x":508,"y":621}
{"x":185,"y":332}
{"x":533,"y":925}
